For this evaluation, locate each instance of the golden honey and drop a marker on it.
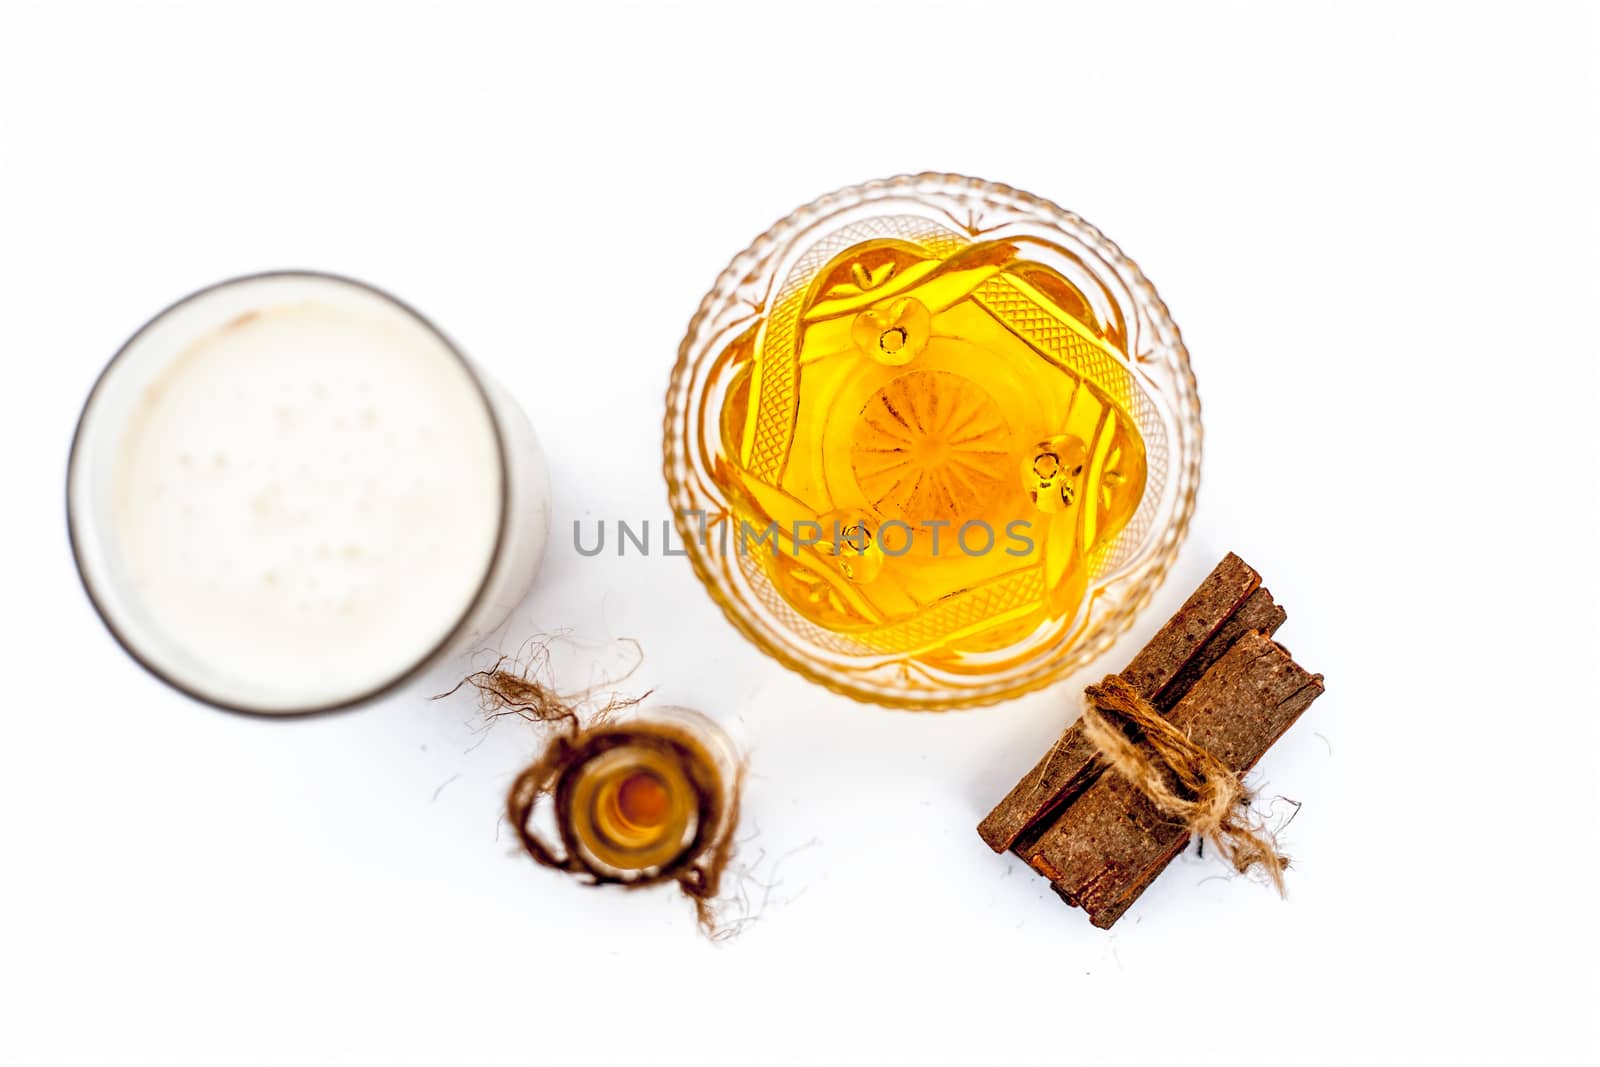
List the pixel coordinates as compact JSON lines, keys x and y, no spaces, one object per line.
{"x":929,"y":443}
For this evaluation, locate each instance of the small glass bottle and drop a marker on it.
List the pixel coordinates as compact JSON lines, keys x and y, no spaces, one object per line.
{"x":646,"y":800}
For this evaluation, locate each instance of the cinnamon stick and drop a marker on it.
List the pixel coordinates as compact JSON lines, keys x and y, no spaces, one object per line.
{"x":1110,"y":843}
{"x":1227,"y":604}
{"x":1258,"y":612}
{"x":1155,"y":667}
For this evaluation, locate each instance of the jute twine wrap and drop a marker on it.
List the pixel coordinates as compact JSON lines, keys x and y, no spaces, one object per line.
{"x":1182,"y":780}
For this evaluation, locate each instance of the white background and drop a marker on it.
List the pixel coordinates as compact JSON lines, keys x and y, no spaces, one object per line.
{"x":1375,"y":226}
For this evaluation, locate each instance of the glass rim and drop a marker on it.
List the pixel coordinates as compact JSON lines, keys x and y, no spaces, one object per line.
{"x":383,"y":688}
{"x":684,"y":477}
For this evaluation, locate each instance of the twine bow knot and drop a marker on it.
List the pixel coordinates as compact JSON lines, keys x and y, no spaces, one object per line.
{"x":1179,"y":777}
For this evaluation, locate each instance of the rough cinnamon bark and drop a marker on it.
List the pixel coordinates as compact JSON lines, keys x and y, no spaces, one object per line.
{"x":1227,"y":604}
{"x":1258,"y":612}
{"x":1105,"y":848}
{"x":1154,"y":668}
{"x":1064,"y":772}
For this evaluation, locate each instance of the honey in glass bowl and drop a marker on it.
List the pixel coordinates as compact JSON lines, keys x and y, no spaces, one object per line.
{"x":920,"y":429}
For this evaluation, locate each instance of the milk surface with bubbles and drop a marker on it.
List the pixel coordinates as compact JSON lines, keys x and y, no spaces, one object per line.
{"x":308,"y":499}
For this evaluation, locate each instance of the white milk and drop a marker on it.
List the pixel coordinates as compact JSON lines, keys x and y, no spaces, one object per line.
{"x":306,"y":496}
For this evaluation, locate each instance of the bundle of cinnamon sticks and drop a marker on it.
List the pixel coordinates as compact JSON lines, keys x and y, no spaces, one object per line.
{"x":1216,"y":674}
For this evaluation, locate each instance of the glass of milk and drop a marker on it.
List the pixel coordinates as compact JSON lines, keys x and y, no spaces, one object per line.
{"x":290,"y":492}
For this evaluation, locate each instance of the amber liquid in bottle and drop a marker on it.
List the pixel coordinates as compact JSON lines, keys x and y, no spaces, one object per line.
{"x":641,"y":799}
{"x":931,"y":444}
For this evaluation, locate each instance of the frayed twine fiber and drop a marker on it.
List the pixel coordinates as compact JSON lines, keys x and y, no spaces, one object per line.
{"x":1180,"y":778}
{"x":513,"y":686}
